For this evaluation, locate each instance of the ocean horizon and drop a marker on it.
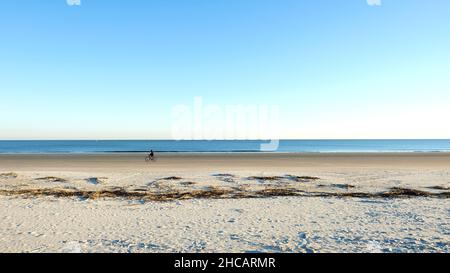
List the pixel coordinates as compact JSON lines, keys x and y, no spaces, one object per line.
{"x":221,"y":146}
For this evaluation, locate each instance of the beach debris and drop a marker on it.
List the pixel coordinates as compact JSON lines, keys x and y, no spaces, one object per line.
{"x":225,"y":177}
{"x":51,"y":179}
{"x":342,"y":186}
{"x":405,"y":192}
{"x":290,"y":177}
{"x":271,"y":192}
{"x":392,"y":193}
{"x":301,"y":178}
{"x":10,"y":175}
{"x":212,"y":192}
{"x":441,"y":188}
{"x":172,"y":178}
{"x":140,"y":189}
{"x":188,"y":183}
{"x":265,"y":178}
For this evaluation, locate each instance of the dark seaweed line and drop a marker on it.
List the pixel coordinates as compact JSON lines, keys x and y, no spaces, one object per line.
{"x":216,"y":194}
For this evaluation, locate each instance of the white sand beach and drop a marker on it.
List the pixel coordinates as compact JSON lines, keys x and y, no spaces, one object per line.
{"x":380,"y":202}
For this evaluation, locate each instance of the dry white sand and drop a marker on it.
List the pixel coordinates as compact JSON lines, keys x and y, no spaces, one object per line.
{"x":33,"y":223}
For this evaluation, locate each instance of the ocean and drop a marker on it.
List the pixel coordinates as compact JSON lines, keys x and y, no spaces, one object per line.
{"x":228,"y":146}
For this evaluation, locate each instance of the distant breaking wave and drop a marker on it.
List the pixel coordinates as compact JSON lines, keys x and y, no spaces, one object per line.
{"x":219,"y":146}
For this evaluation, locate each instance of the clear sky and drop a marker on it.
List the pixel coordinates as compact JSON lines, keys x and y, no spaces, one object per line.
{"x":112,"y":69}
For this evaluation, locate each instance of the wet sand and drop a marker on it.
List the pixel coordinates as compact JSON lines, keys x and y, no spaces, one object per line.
{"x":230,"y":161}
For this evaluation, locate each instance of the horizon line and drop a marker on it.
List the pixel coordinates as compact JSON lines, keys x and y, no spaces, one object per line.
{"x":280,"y":139}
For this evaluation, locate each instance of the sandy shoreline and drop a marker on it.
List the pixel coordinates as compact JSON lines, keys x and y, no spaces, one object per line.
{"x":187,"y":161}
{"x":106,"y":203}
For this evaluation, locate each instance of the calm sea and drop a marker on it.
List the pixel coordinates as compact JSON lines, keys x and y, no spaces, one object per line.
{"x":287,"y":146}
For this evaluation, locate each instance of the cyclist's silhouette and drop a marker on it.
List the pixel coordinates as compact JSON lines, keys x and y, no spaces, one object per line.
{"x":151,"y":156}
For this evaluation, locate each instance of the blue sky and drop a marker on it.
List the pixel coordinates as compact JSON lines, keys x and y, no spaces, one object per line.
{"x":111,"y":69}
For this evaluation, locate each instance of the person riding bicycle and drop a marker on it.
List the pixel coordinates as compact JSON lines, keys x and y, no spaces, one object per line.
{"x":151,"y":155}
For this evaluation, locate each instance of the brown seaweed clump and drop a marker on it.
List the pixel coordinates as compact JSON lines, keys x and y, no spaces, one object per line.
{"x":212,"y":193}
{"x":302,"y":178}
{"x":280,"y":178}
{"x":392,"y":193}
{"x":225,"y":177}
{"x":265,"y":178}
{"x":441,"y":188}
{"x":51,"y":179}
{"x":342,"y":186}
{"x":10,"y":175}
{"x":172,"y":178}
{"x":404,"y":192}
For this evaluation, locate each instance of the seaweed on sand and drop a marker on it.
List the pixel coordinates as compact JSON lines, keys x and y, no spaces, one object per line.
{"x":51,"y":179}
{"x":295,"y":178}
{"x":210,"y":193}
{"x":342,"y":186}
{"x":187,"y":183}
{"x":225,"y":177}
{"x":441,"y":188}
{"x":171,"y":178}
{"x":391,"y":193}
{"x":265,"y":178}
{"x":213,"y":193}
{"x":10,"y":175}
{"x":405,"y":192}
{"x":301,"y":178}
{"x":271,"y":192}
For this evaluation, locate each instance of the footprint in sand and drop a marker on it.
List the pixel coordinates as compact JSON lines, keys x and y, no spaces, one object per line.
{"x":304,"y":242}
